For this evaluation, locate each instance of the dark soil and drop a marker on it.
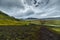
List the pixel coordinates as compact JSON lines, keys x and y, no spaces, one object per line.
{"x":46,"y":34}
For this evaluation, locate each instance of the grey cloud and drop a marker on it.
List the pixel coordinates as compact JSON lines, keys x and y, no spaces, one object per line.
{"x":11,"y":3}
{"x":11,"y":7}
{"x":28,"y":13}
{"x":14,"y":7}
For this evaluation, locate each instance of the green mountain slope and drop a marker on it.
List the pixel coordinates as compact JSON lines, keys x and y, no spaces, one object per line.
{"x":7,"y":20}
{"x":5,"y":16}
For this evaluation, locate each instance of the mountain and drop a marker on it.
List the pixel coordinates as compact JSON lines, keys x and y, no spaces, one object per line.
{"x":7,"y":20}
{"x":53,"y":18}
{"x":4,"y":16}
{"x":32,"y":18}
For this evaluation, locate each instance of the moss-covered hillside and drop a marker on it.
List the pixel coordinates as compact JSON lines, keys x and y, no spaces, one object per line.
{"x":7,"y":20}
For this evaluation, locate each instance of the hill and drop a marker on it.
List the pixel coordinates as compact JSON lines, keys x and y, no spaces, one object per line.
{"x":7,"y":20}
{"x":4,"y":16}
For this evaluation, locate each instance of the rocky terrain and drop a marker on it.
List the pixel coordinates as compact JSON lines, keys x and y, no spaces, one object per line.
{"x":46,"y":34}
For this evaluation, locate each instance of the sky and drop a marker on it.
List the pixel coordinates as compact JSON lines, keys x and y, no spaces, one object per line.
{"x":31,"y":8}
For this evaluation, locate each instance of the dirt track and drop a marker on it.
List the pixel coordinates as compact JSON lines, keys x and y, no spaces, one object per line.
{"x":46,"y":34}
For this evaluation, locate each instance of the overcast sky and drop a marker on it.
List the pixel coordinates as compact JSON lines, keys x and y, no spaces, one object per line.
{"x":31,"y":8}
